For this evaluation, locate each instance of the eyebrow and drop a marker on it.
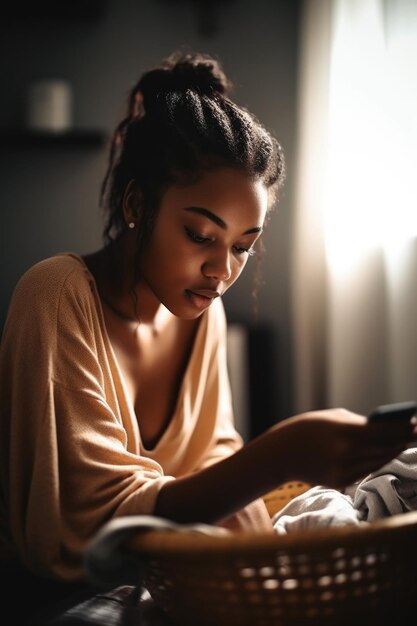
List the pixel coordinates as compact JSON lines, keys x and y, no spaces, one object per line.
{"x":218,"y":220}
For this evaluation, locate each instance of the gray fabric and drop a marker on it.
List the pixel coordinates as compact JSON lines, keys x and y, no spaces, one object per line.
{"x":388,"y":491}
{"x":106,"y":561}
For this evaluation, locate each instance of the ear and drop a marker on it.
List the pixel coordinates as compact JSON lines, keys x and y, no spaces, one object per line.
{"x":132,"y":203}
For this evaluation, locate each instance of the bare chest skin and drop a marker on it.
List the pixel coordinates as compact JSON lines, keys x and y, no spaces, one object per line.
{"x":152,"y":364}
{"x":152,"y":357}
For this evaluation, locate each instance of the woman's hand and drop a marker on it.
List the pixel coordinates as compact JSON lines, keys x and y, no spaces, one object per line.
{"x":334,"y":447}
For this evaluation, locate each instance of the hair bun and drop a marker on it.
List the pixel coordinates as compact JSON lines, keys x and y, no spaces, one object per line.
{"x":182,"y":71}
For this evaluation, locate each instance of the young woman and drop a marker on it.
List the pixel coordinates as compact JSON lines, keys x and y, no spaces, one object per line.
{"x":114,"y":391}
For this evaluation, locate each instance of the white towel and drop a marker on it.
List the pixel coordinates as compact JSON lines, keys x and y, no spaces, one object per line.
{"x":318,"y":506}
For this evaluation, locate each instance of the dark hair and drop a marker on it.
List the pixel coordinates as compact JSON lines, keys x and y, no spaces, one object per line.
{"x":181,"y":121}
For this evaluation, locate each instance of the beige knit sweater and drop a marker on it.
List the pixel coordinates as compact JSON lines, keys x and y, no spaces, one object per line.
{"x":71,"y":455}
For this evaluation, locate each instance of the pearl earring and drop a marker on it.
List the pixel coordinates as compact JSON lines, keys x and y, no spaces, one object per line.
{"x":131,"y":225}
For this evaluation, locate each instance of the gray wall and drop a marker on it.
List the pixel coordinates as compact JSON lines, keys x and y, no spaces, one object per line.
{"x":49,"y":197}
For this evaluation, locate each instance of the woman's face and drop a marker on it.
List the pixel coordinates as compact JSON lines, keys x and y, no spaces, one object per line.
{"x":202,"y":237}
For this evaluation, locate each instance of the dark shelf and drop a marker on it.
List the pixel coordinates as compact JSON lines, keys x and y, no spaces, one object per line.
{"x":75,"y":138}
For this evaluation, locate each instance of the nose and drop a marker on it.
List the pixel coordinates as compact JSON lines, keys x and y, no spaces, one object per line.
{"x":218,"y":266}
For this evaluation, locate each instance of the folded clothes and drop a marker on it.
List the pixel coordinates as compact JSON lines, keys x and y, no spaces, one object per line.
{"x":391,"y":490}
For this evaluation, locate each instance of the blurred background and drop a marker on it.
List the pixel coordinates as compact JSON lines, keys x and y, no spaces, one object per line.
{"x":336,"y":83}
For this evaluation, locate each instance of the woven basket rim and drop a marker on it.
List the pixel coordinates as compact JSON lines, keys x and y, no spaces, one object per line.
{"x":189,"y":543}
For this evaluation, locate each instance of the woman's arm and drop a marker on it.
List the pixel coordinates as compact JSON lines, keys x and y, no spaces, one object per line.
{"x":331,"y":447}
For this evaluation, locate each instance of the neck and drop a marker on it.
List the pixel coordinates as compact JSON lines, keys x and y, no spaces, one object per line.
{"x":127,"y":297}
{"x":119,"y":312}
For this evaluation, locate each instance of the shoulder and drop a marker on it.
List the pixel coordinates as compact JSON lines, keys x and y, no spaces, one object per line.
{"x":47,"y":280}
{"x":53,"y":272}
{"x":55,"y":267}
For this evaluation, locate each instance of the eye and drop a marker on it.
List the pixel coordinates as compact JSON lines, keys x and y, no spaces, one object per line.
{"x":195,"y":237}
{"x":240,"y":250}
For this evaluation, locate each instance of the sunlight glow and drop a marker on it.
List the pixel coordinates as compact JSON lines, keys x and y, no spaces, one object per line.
{"x":371,"y":177}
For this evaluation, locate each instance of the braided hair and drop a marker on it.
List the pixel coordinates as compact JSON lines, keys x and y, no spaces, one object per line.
{"x":180,"y":121}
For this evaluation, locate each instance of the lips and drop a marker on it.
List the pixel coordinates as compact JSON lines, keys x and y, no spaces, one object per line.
{"x":202,"y":298}
{"x":205,"y":293}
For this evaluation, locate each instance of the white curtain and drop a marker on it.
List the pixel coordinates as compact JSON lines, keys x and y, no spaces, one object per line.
{"x":355,"y":226}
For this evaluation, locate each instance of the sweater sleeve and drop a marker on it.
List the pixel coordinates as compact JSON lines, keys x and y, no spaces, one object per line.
{"x":68,"y":463}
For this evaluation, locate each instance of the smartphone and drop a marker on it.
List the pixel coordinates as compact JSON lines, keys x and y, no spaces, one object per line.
{"x":397,"y":411}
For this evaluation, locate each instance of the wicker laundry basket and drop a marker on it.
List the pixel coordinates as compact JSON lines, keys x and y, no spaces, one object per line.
{"x":351,"y":575}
